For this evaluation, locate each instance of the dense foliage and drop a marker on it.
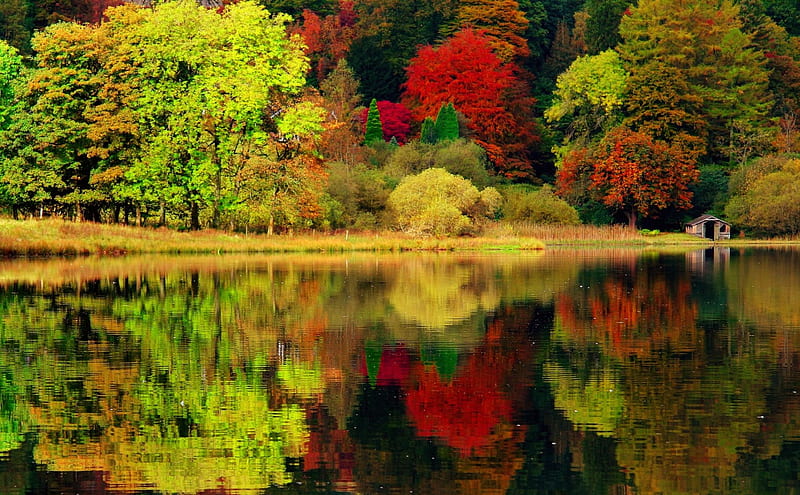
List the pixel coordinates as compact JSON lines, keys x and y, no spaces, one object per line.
{"x":233,"y":114}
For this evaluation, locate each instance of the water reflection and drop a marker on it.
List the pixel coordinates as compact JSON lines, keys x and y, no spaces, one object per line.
{"x":606,"y":371}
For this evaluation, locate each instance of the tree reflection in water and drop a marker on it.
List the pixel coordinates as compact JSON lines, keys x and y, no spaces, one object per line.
{"x":565,"y":372}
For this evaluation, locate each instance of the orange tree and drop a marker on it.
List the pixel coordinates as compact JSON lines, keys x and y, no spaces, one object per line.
{"x":636,"y":174}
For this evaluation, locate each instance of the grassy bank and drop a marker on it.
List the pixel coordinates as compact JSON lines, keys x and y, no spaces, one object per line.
{"x":52,"y":237}
{"x":60,"y":238}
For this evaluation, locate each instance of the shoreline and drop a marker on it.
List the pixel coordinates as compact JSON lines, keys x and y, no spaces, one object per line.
{"x":54,"y":238}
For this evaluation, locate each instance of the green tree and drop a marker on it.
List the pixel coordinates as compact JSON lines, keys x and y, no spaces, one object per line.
{"x":48,"y":163}
{"x":589,"y":98}
{"x":213,"y":88}
{"x":427,"y":133}
{"x":602,"y":25}
{"x":447,"y":123}
{"x":374,"y":128}
{"x":390,"y":33}
{"x":16,"y":23}
{"x":702,"y":42}
{"x":10,"y":75}
{"x":438,"y":203}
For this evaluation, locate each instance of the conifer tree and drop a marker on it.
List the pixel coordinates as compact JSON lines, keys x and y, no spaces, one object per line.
{"x":447,"y":123}
{"x":374,"y":132}
{"x":428,"y":132}
{"x":701,"y":47}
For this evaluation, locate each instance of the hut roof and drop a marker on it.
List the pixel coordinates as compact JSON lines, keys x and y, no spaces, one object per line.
{"x":706,"y":218}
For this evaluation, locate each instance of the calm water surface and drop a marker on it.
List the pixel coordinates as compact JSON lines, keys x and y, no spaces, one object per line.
{"x":565,"y":372}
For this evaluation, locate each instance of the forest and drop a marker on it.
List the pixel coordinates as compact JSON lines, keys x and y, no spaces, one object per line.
{"x":433,"y":117}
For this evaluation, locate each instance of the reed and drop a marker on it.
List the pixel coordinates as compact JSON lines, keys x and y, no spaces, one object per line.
{"x":594,"y":234}
{"x":53,"y":237}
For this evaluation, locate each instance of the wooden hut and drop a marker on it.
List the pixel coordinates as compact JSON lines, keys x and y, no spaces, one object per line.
{"x":709,"y":227}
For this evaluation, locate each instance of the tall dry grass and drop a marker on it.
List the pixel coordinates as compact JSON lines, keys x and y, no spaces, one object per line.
{"x":595,"y":234}
{"x":50,"y":237}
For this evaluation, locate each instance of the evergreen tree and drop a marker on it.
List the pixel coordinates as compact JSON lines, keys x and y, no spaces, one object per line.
{"x":428,"y":132}
{"x":374,"y":132}
{"x":447,"y":123}
{"x":602,"y":26}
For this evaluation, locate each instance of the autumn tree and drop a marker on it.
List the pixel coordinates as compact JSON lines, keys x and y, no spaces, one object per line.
{"x":395,"y":121}
{"x":327,"y":39}
{"x":640,"y":176}
{"x":342,"y":138}
{"x":49,"y":162}
{"x":502,"y":22}
{"x":487,"y":91}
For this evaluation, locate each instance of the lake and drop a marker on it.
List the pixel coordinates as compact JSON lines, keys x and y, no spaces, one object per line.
{"x":614,"y":371}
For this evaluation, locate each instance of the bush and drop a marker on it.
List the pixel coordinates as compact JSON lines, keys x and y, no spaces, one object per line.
{"x":361,"y":192}
{"x":766,"y":197}
{"x":526,"y":204}
{"x":460,"y":157}
{"x":436,"y":202}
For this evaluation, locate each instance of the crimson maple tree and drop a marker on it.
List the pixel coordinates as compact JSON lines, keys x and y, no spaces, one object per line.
{"x":489,"y":92}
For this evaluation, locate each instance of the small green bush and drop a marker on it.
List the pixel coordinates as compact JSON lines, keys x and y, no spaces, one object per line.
{"x":526,"y":204}
{"x":436,"y":202}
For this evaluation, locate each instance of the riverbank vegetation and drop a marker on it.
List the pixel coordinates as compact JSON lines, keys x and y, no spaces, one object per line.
{"x":319,"y":115}
{"x":54,"y":237}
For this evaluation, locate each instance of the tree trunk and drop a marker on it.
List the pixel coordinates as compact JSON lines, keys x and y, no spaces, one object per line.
{"x":631,"y":215}
{"x":162,"y":214}
{"x":194,"y":221}
{"x":138,"y":215}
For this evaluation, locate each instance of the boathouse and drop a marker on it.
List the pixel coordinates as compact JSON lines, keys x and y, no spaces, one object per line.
{"x":709,"y":227}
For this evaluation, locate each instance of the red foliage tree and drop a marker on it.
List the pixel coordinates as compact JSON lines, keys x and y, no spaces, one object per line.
{"x":395,"y":119}
{"x":465,"y":71}
{"x":639,"y":175}
{"x":327,"y":39}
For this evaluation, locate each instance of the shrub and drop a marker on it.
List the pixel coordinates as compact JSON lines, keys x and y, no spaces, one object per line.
{"x":460,"y":157}
{"x":526,"y":204}
{"x":436,"y":202}
{"x":361,"y":192}
{"x":767,"y":199}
